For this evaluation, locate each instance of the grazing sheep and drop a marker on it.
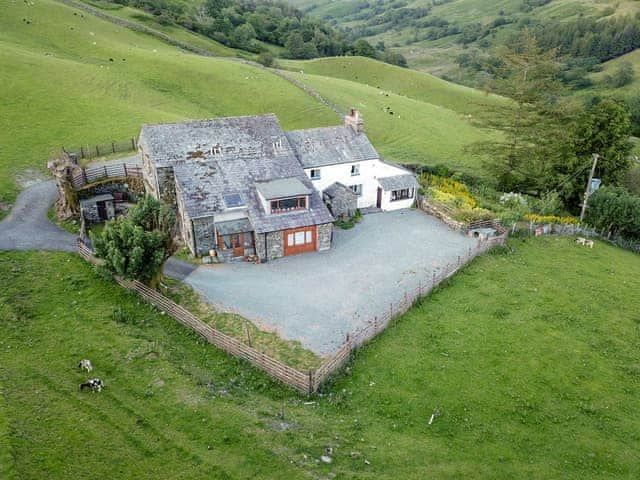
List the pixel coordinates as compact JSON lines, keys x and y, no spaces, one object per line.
{"x":588,"y":243}
{"x":581,"y":241}
{"x":85,"y":364}
{"x":95,"y":384}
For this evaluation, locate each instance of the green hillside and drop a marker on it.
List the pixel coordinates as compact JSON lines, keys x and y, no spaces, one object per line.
{"x":90,"y":81}
{"x":407,"y":130}
{"x":389,"y":78}
{"x":431,"y":34}
{"x":539,"y":380}
{"x":70,"y":78}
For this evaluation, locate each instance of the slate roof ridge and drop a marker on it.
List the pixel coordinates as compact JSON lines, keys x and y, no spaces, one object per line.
{"x":204,"y":120}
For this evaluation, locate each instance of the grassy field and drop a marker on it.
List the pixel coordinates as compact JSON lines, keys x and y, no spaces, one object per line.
{"x":538,"y":380}
{"x":416,"y":131}
{"x":61,"y":87}
{"x":389,"y":78}
{"x":610,"y":68}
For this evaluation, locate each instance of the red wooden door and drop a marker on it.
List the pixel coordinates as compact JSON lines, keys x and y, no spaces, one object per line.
{"x":300,"y":240}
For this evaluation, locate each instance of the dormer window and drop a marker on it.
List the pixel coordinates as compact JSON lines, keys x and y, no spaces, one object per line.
{"x":216,"y":150}
{"x":288,"y":204}
{"x":277,"y":144}
{"x":355,"y":170}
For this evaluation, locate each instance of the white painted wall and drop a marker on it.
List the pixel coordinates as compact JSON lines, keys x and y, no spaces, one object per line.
{"x":370,"y":171}
{"x":388,"y":205}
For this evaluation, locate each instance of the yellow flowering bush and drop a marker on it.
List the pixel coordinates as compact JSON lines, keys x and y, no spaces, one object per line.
{"x":448,"y":191}
{"x":532,"y":217}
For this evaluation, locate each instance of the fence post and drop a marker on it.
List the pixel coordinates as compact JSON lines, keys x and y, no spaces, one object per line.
{"x":310,"y":381}
{"x":133,"y":144}
{"x":124,"y":166}
{"x":82,"y":152}
{"x":84,"y":174}
{"x":375,"y":324}
{"x":97,"y":151}
{"x":113,"y":146}
{"x":106,"y":174}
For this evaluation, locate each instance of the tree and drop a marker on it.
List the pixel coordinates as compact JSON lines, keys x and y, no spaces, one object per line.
{"x":614,"y":211}
{"x":136,"y":247}
{"x":622,"y":76}
{"x":364,"y":49}
{"x":243,"y":35}
{"x":532,"y":125}
{"x":295,"y":45}
{"x":214,"y":7}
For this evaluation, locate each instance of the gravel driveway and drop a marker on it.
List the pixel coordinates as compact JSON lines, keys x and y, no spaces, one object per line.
{"x":318,"y":298}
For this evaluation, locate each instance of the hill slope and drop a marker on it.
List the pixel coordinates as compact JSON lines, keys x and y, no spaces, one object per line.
{"x":70,"y":78}
{"x":539,"y":380}
{"x":431,"y":34}
{"x":73,"y":79}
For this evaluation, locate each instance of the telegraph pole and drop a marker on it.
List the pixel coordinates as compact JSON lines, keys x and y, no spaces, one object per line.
{"x":587,"y":192}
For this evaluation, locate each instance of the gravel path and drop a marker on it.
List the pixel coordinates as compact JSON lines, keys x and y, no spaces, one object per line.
{"x":27,"y":226}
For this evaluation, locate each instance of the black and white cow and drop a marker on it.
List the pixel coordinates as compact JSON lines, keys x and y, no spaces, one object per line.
{"x":85,"y":364}
{"x":95,"y":384}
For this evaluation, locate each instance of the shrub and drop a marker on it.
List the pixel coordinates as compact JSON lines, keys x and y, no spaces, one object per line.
{"x":535,"y":218}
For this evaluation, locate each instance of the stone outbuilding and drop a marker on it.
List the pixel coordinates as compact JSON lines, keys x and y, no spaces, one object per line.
{"x":99,"y":208}
{"x":341,"y":200}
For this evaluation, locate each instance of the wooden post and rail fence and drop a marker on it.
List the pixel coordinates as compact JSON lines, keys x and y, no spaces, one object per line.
{"x":304,"y":382}
{"x":96,"y":173}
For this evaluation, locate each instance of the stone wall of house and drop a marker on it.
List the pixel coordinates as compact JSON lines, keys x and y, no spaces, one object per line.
{"x":275,"y":245}
{"x":167,"y":185}
{"x":325,"y":232}
{"x":184,"y":226}
{"x":344,"y":203}
{"x":132,"y":188}
{"x":203,"y":229}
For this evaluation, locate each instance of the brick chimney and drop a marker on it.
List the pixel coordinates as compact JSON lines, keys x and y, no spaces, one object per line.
{"x":354,"y":120}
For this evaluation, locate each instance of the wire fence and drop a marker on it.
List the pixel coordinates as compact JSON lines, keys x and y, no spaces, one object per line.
{"x":94,"y":151}
{"x":304,"y":382}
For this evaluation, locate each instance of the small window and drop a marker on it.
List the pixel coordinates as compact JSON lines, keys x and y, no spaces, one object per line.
{"x":299,"y":238}
{"x":357,"y":189}
{"x":290,"y":240}
{"x":288,"y":204}
{"x":309,"y":237}
{"x":233,"y":200}
{"x":404,"y":194}
{"x":355,"y":170}
{"x":315,"y":174}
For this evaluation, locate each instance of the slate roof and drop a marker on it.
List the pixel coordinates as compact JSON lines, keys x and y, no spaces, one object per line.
{"x":336,"y":188}
{"x":232,"y":156}
{"x":234,"y":226}
{"x":318,"y":147}
{"x":398,"y":182}
{"x":282,"y":188}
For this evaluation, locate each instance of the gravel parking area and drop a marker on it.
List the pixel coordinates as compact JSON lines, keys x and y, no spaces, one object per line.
{"x":318,"y":298}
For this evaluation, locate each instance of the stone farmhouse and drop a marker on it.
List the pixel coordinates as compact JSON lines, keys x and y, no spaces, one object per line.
{"x":242,"y":186}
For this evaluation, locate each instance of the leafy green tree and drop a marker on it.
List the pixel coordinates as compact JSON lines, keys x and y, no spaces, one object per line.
{"x":136,"y":247}
{"x":214,"y":7}
{"x":622,"y":76}
{"x":614,"y":211}
{"x":295,"y":45}
{"x":243,"y":35}
{"x":364,"y":49}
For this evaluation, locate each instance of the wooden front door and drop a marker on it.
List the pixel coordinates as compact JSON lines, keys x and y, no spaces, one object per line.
{"x":300,"y":240}
{"x":237,"y":243}
{"x":102,"y":211}
{"x":379,"y":201}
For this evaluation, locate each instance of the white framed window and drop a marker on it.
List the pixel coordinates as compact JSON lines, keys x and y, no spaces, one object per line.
{"x":355,"y":170}
{"x":357,"y":189}
{"x":301,"y":237}
{"x":315,"y":174}
{"x":404,"y":194}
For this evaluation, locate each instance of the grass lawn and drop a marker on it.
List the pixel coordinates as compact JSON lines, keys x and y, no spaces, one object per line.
{"x":416,"y":132}
{"x":530,"y":356}
{"x":61,"y":87}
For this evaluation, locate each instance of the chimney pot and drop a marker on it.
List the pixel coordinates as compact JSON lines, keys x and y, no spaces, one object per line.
{"x":354,"y":120}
